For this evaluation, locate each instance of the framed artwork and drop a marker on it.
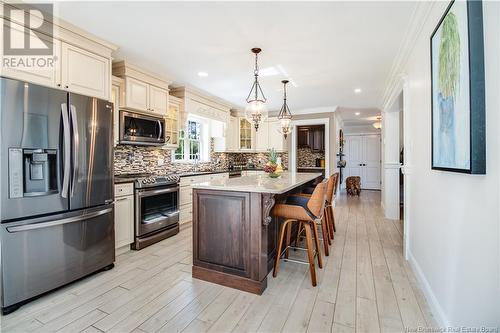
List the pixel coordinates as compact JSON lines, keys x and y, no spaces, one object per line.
{"x":457,"y":83}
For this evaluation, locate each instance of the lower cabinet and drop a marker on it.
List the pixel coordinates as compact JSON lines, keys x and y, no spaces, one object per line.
{"x":124,"y":214}
{"x":186,"y":193}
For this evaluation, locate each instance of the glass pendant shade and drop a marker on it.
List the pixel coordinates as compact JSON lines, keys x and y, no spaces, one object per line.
{"x":377,"y":125}
{"x":256,"y":111}
{"x":285,"y":116}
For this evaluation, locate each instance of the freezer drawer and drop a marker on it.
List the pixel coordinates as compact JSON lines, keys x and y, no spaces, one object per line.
{"x":41,"y":254}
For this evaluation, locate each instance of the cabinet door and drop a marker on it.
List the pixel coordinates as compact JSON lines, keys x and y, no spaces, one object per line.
{"x":158,"y":100}
{"x":303,"y":138}
{"x":136,"y":94}
{"x":245,"y":134}
{"x":231,"y":140}
{"x":124,"y":221}
{"x":45,"y":76}
{"x":115,"y":98}
{"x":276,"y":139}
{"x":318,"y":139}
{"x":262,"y":137}
{"x":84,"y":72}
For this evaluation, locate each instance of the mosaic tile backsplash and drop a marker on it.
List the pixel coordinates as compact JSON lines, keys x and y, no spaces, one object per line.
{"x":306,"y":157}
{"x":134,"y":159}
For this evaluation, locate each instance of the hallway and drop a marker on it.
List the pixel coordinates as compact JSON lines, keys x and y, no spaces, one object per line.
{"x":366,"y":286}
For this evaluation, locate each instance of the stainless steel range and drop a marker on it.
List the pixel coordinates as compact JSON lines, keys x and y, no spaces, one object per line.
{"x":156,"y":208}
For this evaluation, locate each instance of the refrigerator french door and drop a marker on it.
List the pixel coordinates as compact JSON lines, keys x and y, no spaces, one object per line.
{"x":56,"y":189}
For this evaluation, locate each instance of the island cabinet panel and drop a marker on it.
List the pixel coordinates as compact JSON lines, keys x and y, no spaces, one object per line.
{"x":221,"y":241}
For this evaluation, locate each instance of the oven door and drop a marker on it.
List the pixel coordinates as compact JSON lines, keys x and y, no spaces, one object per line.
{"x":139,"y":129}
{"x":156,"y":209}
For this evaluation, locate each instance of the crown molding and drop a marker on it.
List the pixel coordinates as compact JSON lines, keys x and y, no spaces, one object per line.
{"x":397,"y":77}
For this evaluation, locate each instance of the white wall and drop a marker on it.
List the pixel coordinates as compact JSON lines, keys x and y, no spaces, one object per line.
{"x":454,"y":228}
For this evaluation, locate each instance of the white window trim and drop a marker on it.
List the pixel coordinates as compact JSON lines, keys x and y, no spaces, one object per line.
{"x":204,"y":143}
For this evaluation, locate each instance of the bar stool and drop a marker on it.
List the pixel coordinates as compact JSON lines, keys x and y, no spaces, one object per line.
{"x":329,"y":205}
{"x":325,"y":223}
{"x":306,"y":212}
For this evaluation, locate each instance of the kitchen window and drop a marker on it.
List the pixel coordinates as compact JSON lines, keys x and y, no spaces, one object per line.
{"x":193,"y":143}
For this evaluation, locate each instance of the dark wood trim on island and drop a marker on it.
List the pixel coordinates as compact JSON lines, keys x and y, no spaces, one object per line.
{"x":234,"y":236}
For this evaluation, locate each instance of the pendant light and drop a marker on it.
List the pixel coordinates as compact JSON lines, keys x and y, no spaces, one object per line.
{"x":378,"y":124}
{"x":285,"y":116}
{"x":256,"y":111}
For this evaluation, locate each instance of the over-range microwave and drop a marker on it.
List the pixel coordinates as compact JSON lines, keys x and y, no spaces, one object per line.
{"x":140,"y":129}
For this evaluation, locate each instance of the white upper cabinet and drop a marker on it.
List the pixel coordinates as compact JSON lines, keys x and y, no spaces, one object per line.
{"x":84,"y":72}
{"x":136,"y":94}
{"x":80,"y":62}
{"x":116,"y":92}
{"x":144,"y":91}
{"x":47,"y":76}
{"x":276,"y":139}
{"x":262,"y":137}
{"x":158,"y":100}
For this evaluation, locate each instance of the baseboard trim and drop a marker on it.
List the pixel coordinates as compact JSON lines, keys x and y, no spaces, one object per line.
{"x":436,"y":308}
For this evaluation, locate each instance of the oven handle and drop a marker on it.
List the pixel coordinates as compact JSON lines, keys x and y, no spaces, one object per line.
{"x":148,"y":193}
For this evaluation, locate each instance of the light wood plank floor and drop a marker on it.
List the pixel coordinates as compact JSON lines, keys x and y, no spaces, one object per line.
{"x":365,"y":286}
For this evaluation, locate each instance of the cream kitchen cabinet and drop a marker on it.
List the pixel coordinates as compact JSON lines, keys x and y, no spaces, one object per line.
{"x":246,"y":135}
{"x":268,"y":136}
{"x":186,"y":193}
{"x":262,"y":137}
{"x":48,"y":76}
{"x":144,"y":91}
{"x":172,"y":122}
{"x":136,"y":94}
{"x":276,"y":138}
{"x":84,"y":72}
{"x":116,"y":92}
{"x":142,"y":96}
{"x":124,"y":214}
{"x":228,"y":143}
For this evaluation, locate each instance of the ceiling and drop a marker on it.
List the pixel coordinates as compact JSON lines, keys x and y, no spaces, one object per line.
{"x":327,"y":49}
{"x":358,"y":117}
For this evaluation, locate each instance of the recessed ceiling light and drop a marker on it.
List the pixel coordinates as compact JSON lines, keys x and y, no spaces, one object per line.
{"x":357,"y":113}
{"x":357,"y":90}
{"x":202,"y":74}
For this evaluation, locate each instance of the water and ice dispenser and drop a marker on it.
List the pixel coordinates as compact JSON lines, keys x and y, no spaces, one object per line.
{"x":32,"y":172}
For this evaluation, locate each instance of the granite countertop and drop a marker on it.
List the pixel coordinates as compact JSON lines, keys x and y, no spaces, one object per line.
{"x":260,"y":183}
{"x":311,"y":167}
{"x":120,"y":180}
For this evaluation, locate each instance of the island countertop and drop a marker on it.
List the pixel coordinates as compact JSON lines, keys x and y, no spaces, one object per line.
{"x":261,"y":183}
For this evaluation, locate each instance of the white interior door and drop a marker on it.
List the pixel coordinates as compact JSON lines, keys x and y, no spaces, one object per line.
{"x":362,"y":154}
{"x":371,"y":162}
{"x":353,"y":150}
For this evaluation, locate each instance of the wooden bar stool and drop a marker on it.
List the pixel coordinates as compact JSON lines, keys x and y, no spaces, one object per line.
{"x":329,"y":204}
{"x":325,"y":222}
{"x":304,"y":211}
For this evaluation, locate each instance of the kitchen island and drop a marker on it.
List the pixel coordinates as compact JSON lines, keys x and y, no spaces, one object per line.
{"x":234,"y":236}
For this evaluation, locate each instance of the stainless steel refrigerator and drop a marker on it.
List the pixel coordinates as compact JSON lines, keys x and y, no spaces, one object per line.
{"x":57,"y":216}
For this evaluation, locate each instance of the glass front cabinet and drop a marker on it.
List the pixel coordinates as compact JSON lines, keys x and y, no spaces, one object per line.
{"x":245,"y":137}
{"x":172,"y":122}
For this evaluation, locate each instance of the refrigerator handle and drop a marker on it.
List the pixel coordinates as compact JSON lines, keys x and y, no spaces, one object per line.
{"x":66,"y":151}
{"x":88,"y":216}
{"x":76,"y":145}
{"x":161,"y":130}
